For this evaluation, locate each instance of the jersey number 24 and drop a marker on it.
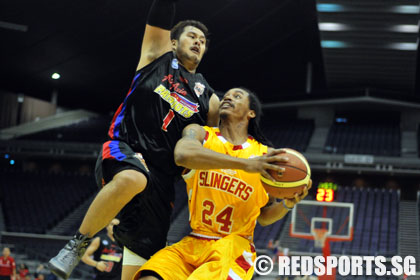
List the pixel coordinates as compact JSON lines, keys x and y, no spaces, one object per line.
{"x":223,"y":217}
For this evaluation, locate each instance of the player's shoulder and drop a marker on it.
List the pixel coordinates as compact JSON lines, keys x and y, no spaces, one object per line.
{"x":211,"y":129}
{"x":164,"y":59}
{"x":201,"y":81}
{"x":257,"y":145}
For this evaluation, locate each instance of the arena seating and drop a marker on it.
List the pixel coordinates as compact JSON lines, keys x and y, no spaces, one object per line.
{"x":381,"y":139}
{"x":294,"y":134}
{"x":262,"y":235}
{"x":418,"y":140}
{"x":35,"y":202}
{"x":375,"y":223}
{"x":93,"y":130}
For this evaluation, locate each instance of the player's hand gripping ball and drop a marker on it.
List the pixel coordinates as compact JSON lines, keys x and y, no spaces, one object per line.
{"x":294,"y":179}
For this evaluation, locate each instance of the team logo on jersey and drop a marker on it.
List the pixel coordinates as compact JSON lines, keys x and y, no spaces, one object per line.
{"x":105,"y":242}
{"x":199,"y":89}
{"x":178,"y":103}
{"x":139,"y":156}
{"x":174,"y":64}
{"x":229,"y":171}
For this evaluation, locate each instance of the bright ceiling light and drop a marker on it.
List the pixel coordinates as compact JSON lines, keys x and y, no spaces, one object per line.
{"x":332,"y":26}
{"x":406,"y":9}
{"x":403,"y":46}
{"x":55,"y":76}
{"x":333,"y":44}
{"x":329,"y":8}
{"x":405,"y":28}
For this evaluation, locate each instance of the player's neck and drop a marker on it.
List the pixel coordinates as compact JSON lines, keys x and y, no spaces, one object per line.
{"x":190,"y":67}
{"x":187,"y":64}
{"x":236,"y":133}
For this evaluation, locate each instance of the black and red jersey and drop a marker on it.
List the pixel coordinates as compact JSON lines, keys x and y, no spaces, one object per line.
{"x":110,"y":253}
{"x":164,"y":98}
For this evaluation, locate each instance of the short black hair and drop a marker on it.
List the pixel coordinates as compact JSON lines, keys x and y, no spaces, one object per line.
{"x":180,"y":26}
{"x":254,"y":124}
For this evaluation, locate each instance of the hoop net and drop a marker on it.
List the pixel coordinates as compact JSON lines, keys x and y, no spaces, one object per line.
{"x":320,"y":236}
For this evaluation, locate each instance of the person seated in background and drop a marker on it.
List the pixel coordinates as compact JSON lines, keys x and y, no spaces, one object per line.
{"x":22,"y":271}
{"x":105,"y":255}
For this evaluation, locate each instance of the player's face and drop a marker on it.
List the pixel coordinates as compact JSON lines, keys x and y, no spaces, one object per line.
{"x":6,"y":252}
{"x":236,"y":102}
{"x":191,"y":45}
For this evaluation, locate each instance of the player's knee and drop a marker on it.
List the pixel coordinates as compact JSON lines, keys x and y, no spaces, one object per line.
{"x":130,"y":182}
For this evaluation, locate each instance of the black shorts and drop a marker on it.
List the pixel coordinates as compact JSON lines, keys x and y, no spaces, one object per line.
{"x":145,"y":220}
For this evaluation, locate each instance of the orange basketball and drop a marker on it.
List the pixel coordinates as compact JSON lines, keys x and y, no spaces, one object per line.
{"x":296,"y":176}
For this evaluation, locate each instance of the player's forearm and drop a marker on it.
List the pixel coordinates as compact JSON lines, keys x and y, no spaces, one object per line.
{"x":89,"y":261}
{"x":197,"y":157}
{"x":273,"y":213}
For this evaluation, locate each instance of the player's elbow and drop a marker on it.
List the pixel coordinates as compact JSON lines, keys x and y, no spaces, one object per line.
{"x":179,"y":159}
{"x":182,"y":157}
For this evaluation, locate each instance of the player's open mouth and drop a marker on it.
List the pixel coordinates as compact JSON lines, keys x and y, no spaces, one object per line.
{"x":195,"y":50}
{"x":226,"y":104}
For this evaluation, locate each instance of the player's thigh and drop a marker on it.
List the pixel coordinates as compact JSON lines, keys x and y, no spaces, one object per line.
{"x":131,"y":263}
{"x":121,"y":165}
{"x":128,"y":271}
{"x":231,"y":257}
{"x":172,"y":262}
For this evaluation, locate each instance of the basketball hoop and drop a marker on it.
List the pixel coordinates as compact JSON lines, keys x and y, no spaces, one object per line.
{"x":320,"y":235}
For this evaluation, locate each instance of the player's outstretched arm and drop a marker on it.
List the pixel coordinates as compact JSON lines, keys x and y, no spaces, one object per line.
{"x":157,"y":35}
{"x":275,"y":210}
{"x":190,"y":153}
{"x":93,"y":246}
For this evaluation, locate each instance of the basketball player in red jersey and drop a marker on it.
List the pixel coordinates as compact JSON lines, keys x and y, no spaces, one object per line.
{"x":136,"y":165}
{"x":224,"y":201}
{"x":7,"y":265}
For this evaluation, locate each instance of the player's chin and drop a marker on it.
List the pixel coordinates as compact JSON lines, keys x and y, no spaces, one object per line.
{"x":223,"y":113}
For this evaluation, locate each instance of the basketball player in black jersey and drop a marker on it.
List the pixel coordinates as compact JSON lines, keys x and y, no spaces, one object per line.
{"x":136,"y":166}
{"x":107,"y":255}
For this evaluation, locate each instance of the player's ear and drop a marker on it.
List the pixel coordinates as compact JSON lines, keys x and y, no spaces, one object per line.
{"x":251,"y":114}
{"x":174,"y":44}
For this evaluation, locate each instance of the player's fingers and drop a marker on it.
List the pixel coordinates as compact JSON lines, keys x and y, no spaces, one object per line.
{"x":274,"y":152}
{"x":310,"y":184}
{"x":277,"y":158}
{"x":279,"y":151}
{"x":275,"y":168}
{"x":267,"y":175}
{"x":304,"y":194}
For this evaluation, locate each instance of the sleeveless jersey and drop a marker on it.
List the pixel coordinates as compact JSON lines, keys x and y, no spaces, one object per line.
{"x":226,"y":201}
{"x":110,"y":253}
{"x":164,"y":98}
